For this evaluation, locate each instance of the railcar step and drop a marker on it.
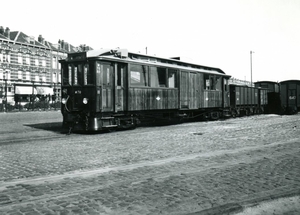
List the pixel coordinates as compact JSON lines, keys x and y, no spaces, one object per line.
{"x":109,"y":117}
{"x":109,"y":126}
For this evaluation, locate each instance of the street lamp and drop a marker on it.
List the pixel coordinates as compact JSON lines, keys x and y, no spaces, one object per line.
{"x":5,"y":81}
{"x":251,"y":52}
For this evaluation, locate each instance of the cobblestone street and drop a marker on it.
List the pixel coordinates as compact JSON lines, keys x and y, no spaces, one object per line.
{"x":216,"y":167}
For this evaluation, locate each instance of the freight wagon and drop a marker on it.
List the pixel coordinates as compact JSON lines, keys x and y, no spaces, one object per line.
{"x":290,"y":96}
{"x":245,"y":100}
{"x":274,"y":100}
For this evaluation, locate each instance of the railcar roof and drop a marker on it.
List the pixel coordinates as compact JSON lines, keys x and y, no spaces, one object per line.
{"x":124,"y":55}
{"x":287,"y":81}
{"x":269,"y":82}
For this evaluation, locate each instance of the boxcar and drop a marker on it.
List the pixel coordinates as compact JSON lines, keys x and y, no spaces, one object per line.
{"x":290,"y":96}
{"x":104,"y":89}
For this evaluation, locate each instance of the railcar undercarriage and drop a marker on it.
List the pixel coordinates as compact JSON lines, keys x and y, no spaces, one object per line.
{"x":92,"y":122}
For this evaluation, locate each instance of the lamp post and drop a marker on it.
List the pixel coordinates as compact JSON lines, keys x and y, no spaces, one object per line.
{"x":251,"y":52}
{"x":5,"y":86}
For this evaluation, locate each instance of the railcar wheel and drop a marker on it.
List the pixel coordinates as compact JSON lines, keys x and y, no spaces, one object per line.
{"x":215,"y":115}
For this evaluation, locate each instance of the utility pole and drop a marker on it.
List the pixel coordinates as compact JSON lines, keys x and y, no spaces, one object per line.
{"x":251,"y":52}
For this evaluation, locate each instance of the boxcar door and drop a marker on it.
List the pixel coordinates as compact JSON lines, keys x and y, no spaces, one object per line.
{"x":194,"y":84}
{"x":107,"y":86}
{"x":184,"y":90}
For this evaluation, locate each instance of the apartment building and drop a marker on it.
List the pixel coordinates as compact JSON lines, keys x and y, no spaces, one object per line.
{"x":30,"y":67}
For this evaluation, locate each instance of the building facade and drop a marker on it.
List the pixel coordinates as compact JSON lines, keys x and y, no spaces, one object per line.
{"x":29,"y":68}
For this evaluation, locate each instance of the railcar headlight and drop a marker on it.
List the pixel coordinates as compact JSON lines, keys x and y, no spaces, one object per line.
{"x":85,"y":101}
{"x":64,"y":101}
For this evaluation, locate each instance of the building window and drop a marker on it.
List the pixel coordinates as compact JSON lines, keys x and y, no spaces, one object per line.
{"x":44,"y":78}
{"x":1,"y":74}
{"x":27,"y":59}
{"x":27,"y":75}
{"x":59,"y":78}
{"x":20,"y":75}
{"x":37,"y":78}
{"x":20,"y":58}
{"x":1,"y":56}
{"x":7,"y":75}
{"x":37,"y":62}
{"x":44,"y":62}
{"x":54,"y":63}
{"x":5,"y":57}
{"x":54,"y":77}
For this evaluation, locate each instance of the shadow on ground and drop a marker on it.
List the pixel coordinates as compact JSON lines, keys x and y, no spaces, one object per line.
{"x":53,"y":126}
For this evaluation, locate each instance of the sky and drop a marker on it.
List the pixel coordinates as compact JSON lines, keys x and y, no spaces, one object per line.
{"x":215,"y":33}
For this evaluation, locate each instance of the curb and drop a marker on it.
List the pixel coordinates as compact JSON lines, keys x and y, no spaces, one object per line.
{"x":233,"y":208}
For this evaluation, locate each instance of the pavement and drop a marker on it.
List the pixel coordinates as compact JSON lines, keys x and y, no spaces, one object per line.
{"x":220,"y":167}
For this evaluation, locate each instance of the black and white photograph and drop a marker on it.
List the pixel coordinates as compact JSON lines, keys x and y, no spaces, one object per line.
{"x":139,"y":107}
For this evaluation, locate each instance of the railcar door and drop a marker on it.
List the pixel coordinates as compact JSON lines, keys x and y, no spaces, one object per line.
{"x":184,"y":90}
{"x":194,"y":91}
{"x":120,"y":86}
{"x":189,"y":90}
{"x":107,"y":86}
{"x":292,"y":98}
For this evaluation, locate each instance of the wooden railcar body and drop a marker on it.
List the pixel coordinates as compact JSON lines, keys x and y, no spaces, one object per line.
{"x":112,"y":88}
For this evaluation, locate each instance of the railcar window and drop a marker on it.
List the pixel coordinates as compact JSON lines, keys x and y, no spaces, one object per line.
{"x":120,"y":72}
{"x":106,"y":68}
{"x":138,"y":75}
{"x":70,"y":74}
{"x":218,"y":83}
{"x":65,"y":75}
{"x":75,"y":75}
{"x":206,"y":82}
{"x":79,"y":74}
{"x":119,"y":76}
{"x":158,"y":77}
{"x":225,"y":84}
{"x":211,"y":82}
{"x":172,"y":80}
{"x":88,"y":78}
{"x":98,"y":74}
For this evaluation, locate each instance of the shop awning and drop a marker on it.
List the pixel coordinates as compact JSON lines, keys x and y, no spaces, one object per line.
{"x":25,"y":90}
{"x":44,"y":90}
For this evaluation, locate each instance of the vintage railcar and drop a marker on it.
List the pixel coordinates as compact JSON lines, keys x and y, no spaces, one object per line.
{"x":290,"y":96}
{"x":271,"y":86}
{"x":274,"y":100}
{"x":245,"y":100}
{"x":104,"y":89}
